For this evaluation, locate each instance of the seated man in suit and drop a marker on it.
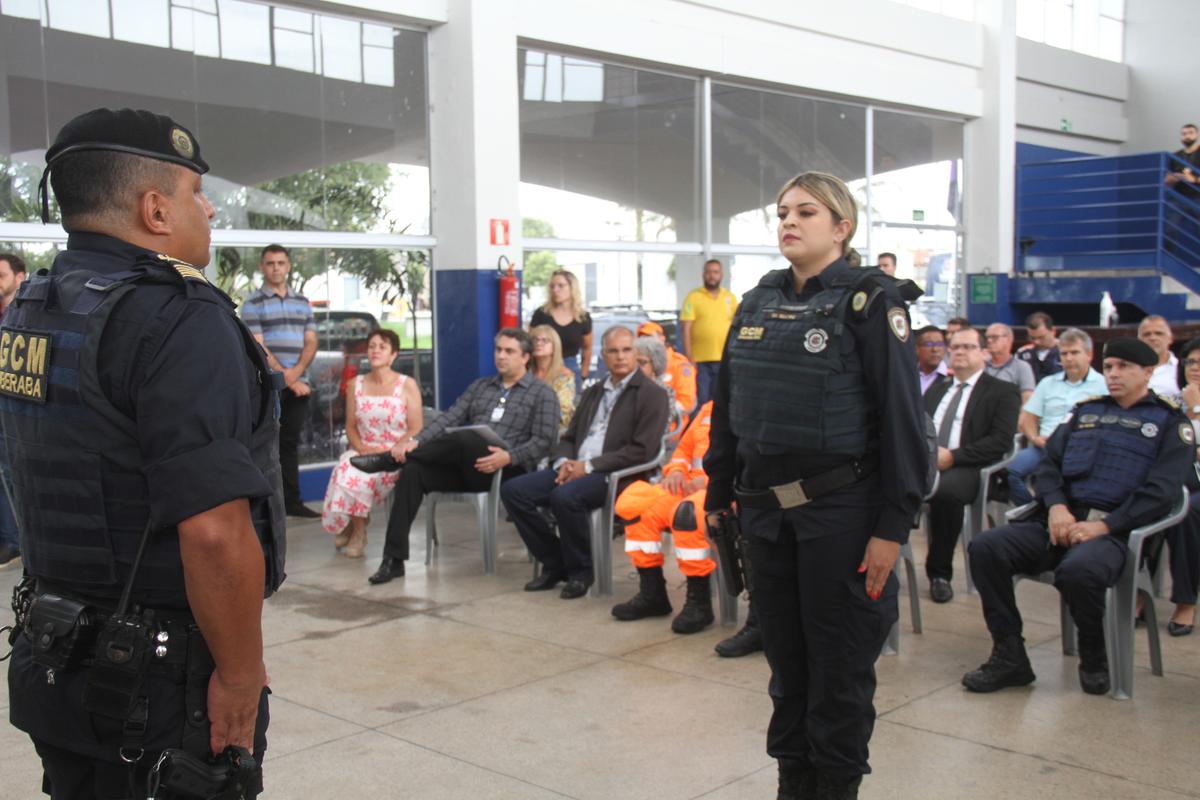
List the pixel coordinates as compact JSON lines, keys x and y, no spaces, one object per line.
{"x":618,"y":423}
{"x":1116,"y":463}
{"x":518,"y":407}
{"x":975,"y":416}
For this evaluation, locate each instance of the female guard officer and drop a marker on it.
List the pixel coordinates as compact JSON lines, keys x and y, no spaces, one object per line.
{"x":818,"y":435}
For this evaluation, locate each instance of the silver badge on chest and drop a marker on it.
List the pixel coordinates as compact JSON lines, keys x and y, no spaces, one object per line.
{"x":1149,"y":430}
{"x":816,"y":340}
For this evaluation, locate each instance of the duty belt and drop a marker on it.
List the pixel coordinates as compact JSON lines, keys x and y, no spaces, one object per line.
{"x":805,"y":490}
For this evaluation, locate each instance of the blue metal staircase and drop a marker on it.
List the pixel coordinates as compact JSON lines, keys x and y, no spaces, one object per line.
{"x":1091,"y":225}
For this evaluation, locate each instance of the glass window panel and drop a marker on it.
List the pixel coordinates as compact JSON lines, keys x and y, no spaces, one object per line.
{"x":1058,"y":24}
{"x":377,"y":35}
{"x":293,"y":20}
{"x":1113,"y":8}
{"x":79,"y":16}
{"x":294,"y":50}
{"x":1112,"y":39}
{"x":761,"y":139}
{"x":1086,"y":27}
{"x":745,"y":270}
{"x":959,"y":9}
{"x":929,"y":257}
{"x":245,"y":31}
{"x":917,"y":170}
{"x":927,"y":5}
{"x":379,"y":66}
{"x":341,"y":49}
{"x":27,"y":9}
{"x":610,"y":155}
{"x":1031,"y":19}
{"x":142,"y":21}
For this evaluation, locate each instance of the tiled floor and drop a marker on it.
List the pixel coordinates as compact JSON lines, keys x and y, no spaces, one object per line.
{"x":449,"y":684}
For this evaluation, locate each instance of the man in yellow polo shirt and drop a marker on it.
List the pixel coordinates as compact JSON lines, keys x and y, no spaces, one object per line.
{"x":705,"y":319}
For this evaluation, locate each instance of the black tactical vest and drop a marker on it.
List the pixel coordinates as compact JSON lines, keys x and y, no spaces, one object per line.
{"x":79,"y":493}
{"x":796,"y":379}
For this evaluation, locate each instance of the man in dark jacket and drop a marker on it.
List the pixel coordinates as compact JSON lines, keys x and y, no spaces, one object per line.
{"x":975,"y":416}
{"x":619,"y":423}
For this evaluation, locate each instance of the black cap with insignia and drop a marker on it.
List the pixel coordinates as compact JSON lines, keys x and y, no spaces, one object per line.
{"x":125,"y":130}
{"x":1135,"y":351}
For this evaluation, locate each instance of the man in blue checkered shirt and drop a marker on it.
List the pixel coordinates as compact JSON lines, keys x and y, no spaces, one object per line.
{"x":282,"y":321}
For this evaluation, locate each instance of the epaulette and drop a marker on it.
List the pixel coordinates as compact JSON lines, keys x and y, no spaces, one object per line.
{"x":186,"y":271}
{"x":1094,"y":398}
{"x":1166,"y":401}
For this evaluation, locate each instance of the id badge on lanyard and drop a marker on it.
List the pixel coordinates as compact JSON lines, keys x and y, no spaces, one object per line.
{"x":498,"y":411}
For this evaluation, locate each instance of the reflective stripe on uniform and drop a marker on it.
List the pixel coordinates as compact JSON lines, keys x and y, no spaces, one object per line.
{"x":688,"y":553}
{"x":698,"y":463}
{"x":632,"y":546}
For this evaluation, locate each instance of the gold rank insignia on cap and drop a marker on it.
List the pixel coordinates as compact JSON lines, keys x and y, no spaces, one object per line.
{"x":185,"y":270}
{"x":859,"y":301}
{"x":182,"y":142}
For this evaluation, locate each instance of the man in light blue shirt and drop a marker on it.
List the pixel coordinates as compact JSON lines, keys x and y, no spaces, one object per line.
{"x":1053,"y":398}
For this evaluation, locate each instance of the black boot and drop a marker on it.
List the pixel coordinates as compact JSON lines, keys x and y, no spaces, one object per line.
{"x":1008,"y":666}
{"x":746,"y":641}
{"x":389,"y":568}
{"x":651,"y":599}
{"x":797,"y":780}
{"x":1093,"y":663}
{"x":833,"y":787}
{"x":697,"y":613}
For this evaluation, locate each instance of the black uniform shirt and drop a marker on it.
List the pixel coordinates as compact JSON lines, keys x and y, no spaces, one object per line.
{"x":178,"y":367}
{"x":1155,"y":497}
{"x":890,"y":370}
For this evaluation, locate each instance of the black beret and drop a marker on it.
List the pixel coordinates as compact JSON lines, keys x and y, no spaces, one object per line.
{"x":139,"y":133}
{"x":1132,"y":350}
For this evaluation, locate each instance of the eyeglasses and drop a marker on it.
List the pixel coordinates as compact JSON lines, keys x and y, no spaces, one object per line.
{"x":961,"y":347}
{"x":932,"y":345}
{"x":1191,"y":362}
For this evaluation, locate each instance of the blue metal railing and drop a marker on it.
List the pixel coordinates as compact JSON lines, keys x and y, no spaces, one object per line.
{"x":1108,"y":213}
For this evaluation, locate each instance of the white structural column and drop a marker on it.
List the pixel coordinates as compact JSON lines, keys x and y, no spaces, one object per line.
{"x":989,"y":157}
{"x":475,"y":168}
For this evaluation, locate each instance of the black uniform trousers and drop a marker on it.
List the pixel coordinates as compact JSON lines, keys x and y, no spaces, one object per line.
{"x":447,"y":464}
{"x":1184,"y":541}
{"x":1082,"y":573}
{"x":821,"y":633}
{"x":957,"y":488}
{"x":78,"y":749}
{"x":293,"y":410}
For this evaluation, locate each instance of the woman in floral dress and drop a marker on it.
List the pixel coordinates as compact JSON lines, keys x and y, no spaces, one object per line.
{"x":386,"y":411}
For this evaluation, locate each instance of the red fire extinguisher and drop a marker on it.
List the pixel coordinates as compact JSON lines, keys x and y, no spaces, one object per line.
{"x":510,"y":295}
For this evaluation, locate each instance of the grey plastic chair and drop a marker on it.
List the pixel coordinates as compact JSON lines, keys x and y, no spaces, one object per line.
{"x":1120,"y":606}
{"x":975,"y":521}
{"x":892,"y":646}
{"x":487,"y":512}
{"x":600,"y":525}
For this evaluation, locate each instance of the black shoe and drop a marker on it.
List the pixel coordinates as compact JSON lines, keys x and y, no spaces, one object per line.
{"x":797,"y":780}
{"x":1093,"y":664}
{"x":697,"y":613}
{"x":833,"y":787}
{"x":376,"y":462}
{"x":1178,"y":628}
{"x":940,"y":590}
{"x":651,"y":599}
{"x":1008,"y":666}
{"x":574,"y":588}
{"x":389,"y":568}
{"x":302,"y":511}
{"x":11,"y":555}
{"x":545,"y":581}
{"x":746,"y":641}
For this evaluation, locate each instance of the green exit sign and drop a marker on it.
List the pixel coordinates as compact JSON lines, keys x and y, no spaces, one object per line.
{"x":983,"y":289}
{"x":1064,"y":125}
{"x":918,"y":215}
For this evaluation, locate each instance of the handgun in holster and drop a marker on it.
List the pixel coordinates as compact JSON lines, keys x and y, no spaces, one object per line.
{"x":726,"y":534}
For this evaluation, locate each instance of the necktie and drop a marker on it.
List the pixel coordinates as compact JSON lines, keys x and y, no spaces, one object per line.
{"x":948,"y":417}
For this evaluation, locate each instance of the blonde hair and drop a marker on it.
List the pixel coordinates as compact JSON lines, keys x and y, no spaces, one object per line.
{"x":556,"y":367}
{"x":577,"y":309}
{"x":831,"y":192}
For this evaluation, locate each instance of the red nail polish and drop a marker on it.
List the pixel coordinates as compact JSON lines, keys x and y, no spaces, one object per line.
{"x":862,"y":568}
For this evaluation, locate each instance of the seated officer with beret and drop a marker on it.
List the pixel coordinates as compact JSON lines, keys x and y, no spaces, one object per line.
{"x":1114,"y":464}
{"x":142,"y":430}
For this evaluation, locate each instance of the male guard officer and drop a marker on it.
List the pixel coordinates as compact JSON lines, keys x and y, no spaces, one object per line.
{"x":1114,"y":464}
{"x":136,"y":472}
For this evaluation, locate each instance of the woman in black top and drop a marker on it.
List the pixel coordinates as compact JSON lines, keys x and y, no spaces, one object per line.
{"x":818,"y":434}
{"x":564,"y":312}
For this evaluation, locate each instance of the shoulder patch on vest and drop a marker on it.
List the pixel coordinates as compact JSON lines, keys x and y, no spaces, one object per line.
{"x":1187,"y":433}
{"x":859,"y":302}
{"x":186,"y":271}
{"x":898,"y":322}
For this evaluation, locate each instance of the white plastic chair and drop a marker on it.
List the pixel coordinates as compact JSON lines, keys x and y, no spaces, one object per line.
{"x":487,"y":512}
